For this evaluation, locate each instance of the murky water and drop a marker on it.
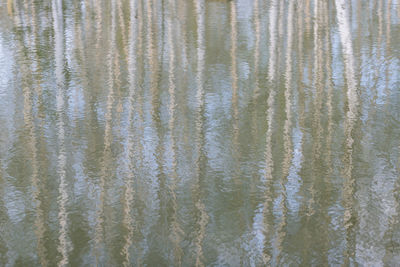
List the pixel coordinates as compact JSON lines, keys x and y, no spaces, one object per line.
{"x":199,"y":133}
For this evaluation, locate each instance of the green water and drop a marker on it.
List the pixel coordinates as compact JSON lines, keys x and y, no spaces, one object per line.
{"x":200,"y":133}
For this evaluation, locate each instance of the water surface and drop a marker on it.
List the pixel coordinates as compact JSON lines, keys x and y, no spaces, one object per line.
{"x":199,"y":133}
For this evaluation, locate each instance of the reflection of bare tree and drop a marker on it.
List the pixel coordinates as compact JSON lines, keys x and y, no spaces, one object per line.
{"x":16,"y":12}
{"x":329,"y":100}
{"x":88,"y":68}
{"x":300,"y":70}
{"x":152,"y":210}
{"x":10,"y":7}
{"x":307,"y":16}
{"x":99,"y":20}
{"x":351,"y":117}
{"x":388,"y":48}
{"x":256,"y":49}
{"x":139,"y":97}
{"x":379,"y":43}
{"x":287,"y":145}
{"x":329,"y":104}
{"x":280,"y":40}
{"x":136,"y":63}
{"x":4,"y":218}
{"x":155,"y":53}
{"x":117,"y":81}
{"x":269,"y":164}
{"x":197,"y":192}
{"x":185,"y":54}
{"x":27,"y":40}
{"x":358,"y":41}
{"x":39,"y":220}
{"x":64,"y":243}
{"x":256,"y":60}
{"x":273,"y":13}
{"x":153,"y":64}
{"x":392,"y":249}
{"x":181,"y":29}
{"x":398,"y":10}
{"x":176,"y":231}
{"x":318,"y":84}
{"x":100,"y":227}
{"x":122,"y":27}
{"x":234,"y":79}
{"x":33,"y":145}
{"x":235,"y":97}
{"x":256,"y":232}
{"x":128,"y":219}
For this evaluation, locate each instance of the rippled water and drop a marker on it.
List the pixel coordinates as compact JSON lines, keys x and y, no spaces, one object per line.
{"x":199,"y":133}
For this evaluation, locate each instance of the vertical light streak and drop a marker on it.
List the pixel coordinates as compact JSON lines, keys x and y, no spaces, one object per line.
{"x":398,"y":9}
{"x":152,"y":53}
{"x":153,"y":208}
{"x":17,"y":15}
{"x":269,"y":164}
{"x":139,"y":53}
{"x":182,"y":32}
{"x":39,"y":220}
{"x":30,"y":123}
{"x":318,"y":85}
{"x":300,"y":70}
{"x":388,"y":50}
{"x":99,"y":20}
{"x":258,"y":221}
{"x":287,"y":145}
{"x":256,"y":60}
{"x":347,"y":50}
{"x":35,"y":34}
{"x":329,"y":85}
{"x":128,"y":220}
{"x":256,"y":48}
{"x":281,"y":18}
{"x":235,"y":103}
{"x":351,"y":116}
{"x":358,"y":42}
{"x":100,"y":231}
{"x":10,"y":7}
{"x":87,"y":25}
{"x":378,"y":61}
{"x":27,"y":17}
{"x":392,"y":191}
{"x":375,"y":51}
{"x":272,"y":41}
{"x":4,"y":247}
{"x":122,"y":27}
{"x":330,"y":113}
{"x":203,"y":216}
{"x":64,"y":245}
{"x":176,"y":231}
{"x":307,"y":16}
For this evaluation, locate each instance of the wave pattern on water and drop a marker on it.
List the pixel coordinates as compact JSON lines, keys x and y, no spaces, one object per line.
{"x":199,"y":133}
